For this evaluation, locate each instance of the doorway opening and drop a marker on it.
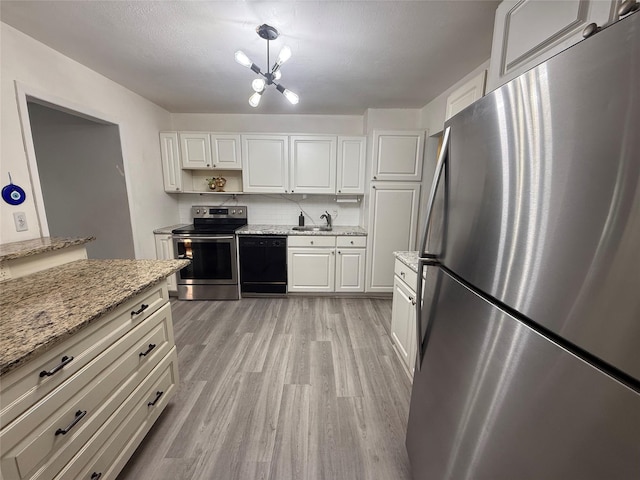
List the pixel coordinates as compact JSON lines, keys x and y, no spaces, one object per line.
{"x":81,"y":175}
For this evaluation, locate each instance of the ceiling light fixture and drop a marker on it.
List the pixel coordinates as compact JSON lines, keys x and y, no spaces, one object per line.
{"x":268,"y":33}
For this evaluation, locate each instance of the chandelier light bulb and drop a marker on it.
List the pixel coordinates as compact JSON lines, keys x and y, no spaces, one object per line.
{"x":242,"y":59}
{"x":258,"y":85}
{"x":254,"y":100}
{"x":277,"y":75}
{"x":285,"y":54}
{"x":292,"y":97}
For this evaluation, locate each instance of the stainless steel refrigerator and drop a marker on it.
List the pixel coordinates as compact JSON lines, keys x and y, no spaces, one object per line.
{"x":529,"y":326}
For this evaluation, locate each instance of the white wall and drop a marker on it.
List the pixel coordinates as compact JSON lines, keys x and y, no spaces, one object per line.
{"x":433,"y":113}
{"x":81,"y":176}
{"x":42,"y":69}
{"x":256,"y":123}
{"x":274,"y":209}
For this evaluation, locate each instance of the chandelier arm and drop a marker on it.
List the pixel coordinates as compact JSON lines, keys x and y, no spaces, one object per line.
{"x":268,"y":56}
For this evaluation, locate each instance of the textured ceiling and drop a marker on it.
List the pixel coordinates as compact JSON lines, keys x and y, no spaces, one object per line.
{"x":347,"y":55}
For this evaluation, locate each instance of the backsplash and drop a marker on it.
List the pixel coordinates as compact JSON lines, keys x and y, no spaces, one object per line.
{"x":274,"y":209}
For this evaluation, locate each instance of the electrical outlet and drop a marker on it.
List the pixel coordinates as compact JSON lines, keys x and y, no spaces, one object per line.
{"x":20,"y":219}
{"x":334,"y":213}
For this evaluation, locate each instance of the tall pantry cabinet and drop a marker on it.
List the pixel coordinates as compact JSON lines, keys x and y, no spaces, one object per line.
{"x":394,"y":198}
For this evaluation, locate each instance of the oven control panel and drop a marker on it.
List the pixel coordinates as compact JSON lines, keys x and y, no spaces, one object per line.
{"x":205,"y":211}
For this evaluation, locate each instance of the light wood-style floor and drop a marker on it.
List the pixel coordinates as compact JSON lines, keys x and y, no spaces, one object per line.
{"x":279,"y":389}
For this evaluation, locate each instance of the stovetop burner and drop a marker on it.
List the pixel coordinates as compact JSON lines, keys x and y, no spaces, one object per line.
{"x":201,"y":230}
{"x":208,"y":220}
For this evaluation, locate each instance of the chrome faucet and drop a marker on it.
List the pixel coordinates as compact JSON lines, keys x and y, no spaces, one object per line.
{"x":327,"y":217}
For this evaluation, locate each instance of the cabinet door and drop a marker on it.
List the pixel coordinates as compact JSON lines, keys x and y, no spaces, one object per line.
{"x":465,"y":95}
{"x":528,"y":32}
{"x":398,"y":155}
{"x":265,"y":159}
{"x":195,"y":148}
{"x":351,"y":162}
{"x":350,"y":269}
{"x":225,"y":152}
{"x":313,"y":163}
{"x":171,"y":167}
{"x":311,"y":269}
{"x":403,"y":318}
{"x":164,"y":251}
{"x":393,"y":217}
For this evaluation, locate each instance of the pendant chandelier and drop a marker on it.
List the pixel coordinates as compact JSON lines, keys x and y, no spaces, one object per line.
{"x":259,"y":84}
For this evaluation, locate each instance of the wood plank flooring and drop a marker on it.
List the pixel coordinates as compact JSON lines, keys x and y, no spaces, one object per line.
{"x":279,"y":389}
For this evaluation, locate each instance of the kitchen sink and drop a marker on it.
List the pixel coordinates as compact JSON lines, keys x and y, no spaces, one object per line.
{"x":313,"y":228}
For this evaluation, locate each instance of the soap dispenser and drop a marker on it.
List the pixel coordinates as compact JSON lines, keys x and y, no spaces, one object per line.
{"x":301,"y":220}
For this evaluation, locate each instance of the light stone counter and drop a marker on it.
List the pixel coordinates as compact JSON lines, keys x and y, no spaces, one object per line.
{"x":410,"y":259}
{"x":170,"y":228}
{"x":27,"y":248}
{"x":288,"y":230}
{"x":40,"y":310}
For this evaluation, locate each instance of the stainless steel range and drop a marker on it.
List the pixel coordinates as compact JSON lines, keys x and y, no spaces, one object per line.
{"x":210,"y":244}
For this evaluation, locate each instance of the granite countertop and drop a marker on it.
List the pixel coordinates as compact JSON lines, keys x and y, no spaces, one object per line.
{"x":170,"y":228}
{"x":288,"y":230}
{"x":40,"y":310}
{"x":26,"y":248}
{"x":410,"y":259}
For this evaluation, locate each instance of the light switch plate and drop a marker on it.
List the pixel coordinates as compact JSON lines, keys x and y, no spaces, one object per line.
{"x":20,"y":219}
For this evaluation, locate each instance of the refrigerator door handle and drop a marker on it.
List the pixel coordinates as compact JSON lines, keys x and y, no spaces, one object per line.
{"x":432,"y":195}
{"x":422,"y":262}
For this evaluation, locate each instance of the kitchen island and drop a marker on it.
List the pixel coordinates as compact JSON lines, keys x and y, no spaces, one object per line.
{"x":87,"y":361}
{"x":40,"y":310}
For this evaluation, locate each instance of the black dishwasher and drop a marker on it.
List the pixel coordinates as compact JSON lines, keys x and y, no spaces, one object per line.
{"x":263,"y":264}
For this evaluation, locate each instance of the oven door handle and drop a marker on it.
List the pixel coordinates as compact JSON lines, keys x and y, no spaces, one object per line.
{"x":199,"y":237}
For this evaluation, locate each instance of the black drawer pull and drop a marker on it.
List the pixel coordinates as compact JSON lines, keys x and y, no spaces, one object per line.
{"x":158,"y":395}
{"x":151,"y":347}
{"x":79,"y":416}
{"x":143,"y":307}
{"x":64,"y":361}
{"x":95,"y":475}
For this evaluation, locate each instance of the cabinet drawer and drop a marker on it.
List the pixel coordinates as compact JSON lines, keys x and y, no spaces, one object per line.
{"x":311,"y":241}
{"x":83,"y":403}
{"x":351,"y":241}
{"x":110,"y":448}
{"x":406,"y":274}
{"x":24,"y":386}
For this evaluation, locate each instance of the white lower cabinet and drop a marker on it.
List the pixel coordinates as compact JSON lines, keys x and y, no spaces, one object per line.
{"x":350,"y":263}
{"x":403,"y":315}
{"x":326,"y":263}
{"x":54,"y":423}
{"x":164,"y":251}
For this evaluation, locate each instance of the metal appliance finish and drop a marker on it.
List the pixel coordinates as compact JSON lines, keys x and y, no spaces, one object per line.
{"x":528,"y":326}
{"x":210,"y":244}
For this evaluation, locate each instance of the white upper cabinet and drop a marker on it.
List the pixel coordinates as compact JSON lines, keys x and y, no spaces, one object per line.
{"x":313,"y":163}
{"x":397,"y":155}
{"x":265,"y":163}
{"x":351,"y":164}
{"x":465,"y":95}
{"x":195,"y":148}
{"x":528,"y":32}
{"x":225,"y":152}
{"x":171,"y":167}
